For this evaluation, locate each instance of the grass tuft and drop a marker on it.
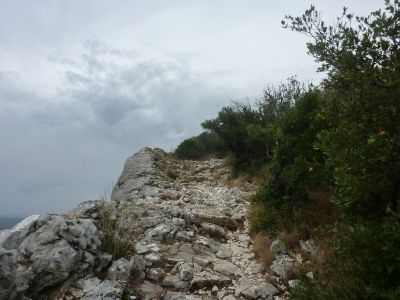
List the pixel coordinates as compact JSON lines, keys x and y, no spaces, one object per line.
{"x":118,"y":239}
{"x":290,"y":238}
{"x":172,"y":174}
{"x":261,"y":246}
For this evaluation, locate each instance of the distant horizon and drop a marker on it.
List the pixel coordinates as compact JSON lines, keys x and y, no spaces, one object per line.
{"x":12,"y":216}
{"x":7,"y":222}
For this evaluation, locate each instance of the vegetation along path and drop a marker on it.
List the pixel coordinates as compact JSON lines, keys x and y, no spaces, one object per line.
{"x":192,"y":238}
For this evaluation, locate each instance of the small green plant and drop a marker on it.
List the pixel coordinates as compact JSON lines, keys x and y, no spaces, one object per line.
{"x":117,"y":238}
{"x":172,"y":174}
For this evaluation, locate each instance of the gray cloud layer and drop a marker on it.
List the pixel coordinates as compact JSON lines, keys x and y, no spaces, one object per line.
{"x":60,"y":150}
{"x":84,"y":84}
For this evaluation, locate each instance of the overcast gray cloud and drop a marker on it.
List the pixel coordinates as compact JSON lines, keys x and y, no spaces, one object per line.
{"x":84,"y":84}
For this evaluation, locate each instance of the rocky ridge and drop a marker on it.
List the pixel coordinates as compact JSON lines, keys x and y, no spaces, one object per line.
{"x":189,"y":238}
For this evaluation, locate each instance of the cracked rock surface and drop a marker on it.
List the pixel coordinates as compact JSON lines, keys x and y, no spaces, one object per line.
{"x":43,"y":252}
{"x":189,"y":236}
{"x":190,"y":228}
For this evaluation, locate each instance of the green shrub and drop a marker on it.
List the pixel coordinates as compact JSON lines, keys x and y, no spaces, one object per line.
{"x":189,"y":149}
{"x":231,"y":126}
{"x":204,"y":145}
{"x":249,"y":131}
{"x":365,"y":264}
{"x":361,"y":57}
{"x":297,"y":166}
{"x":362,"y":148}
{"x":263,"y":217}
{"x":172,"y":174}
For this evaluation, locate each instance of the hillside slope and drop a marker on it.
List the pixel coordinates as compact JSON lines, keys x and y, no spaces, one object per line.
{"x":187,"y":229}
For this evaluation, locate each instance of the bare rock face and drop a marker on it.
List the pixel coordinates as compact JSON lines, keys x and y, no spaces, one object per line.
{"x":188,"y":239}
{"x":13,"y":281}
{"x":42,"y":252}
{"x":138,"y":175}
{"x":12,"y":238}
{"x":281,"y":265}
{"x":119,"y":270}
{"x":106,"y":290}
{"x":249,"y":289}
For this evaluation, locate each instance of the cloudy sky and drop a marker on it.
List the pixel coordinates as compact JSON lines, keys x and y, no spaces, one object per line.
{"x":85,"y":84}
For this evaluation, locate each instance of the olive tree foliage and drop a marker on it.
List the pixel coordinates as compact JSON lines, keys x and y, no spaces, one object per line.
{"x":249,"y":131}
{"x":206,"y":144}
{"x":361,"y":57}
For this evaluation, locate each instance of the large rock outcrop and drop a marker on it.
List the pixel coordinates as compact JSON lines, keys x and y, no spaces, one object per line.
{"x":185,"y":231}
{"x":190,"y":229}
{"x":41,"y":253}
{"x":137,"y":178}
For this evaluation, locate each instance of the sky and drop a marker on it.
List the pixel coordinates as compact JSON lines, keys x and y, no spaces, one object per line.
{"x":85,"y":84}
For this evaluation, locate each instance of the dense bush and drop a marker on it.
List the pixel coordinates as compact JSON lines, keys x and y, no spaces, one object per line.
{"x":362,"y":58}
{"x":231,"y":126}
{"x":365,"y":264}
{"x":204,"y":145}
{"x":297,"y":167}
{"x":249,"y":131}
{"x":362,"y":146}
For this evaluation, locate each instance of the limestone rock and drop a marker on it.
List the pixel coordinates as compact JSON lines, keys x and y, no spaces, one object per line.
{"x":89,"y":209}
{"x":227,"y":268}
{"x":309,"y":246}
{"x":169,"y":295}
{"x":281,"y":264}
{"x":156,"y":274}
{"x":106,"y":290}
{"x":137,"y":177}
{"x":150,"y":291}
{"x":213,"y":230}
{"x":207,"y":280}
{"x":12,"y":238}
{"x":119,"y":270}
{"x":229,"y":297}
{"x":47,"y":250}
{"x":293,"y":283}
{"x":255,"y":290}
{"x":162,"y":232}
{"x":190,"y":240}
{"x":141,"y":249}
{"x":224,"y":253}
{"x":13,"y":279}
{"x":278,"y":247}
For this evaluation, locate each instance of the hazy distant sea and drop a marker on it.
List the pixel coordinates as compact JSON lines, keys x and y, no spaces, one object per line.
{"x":8,"y":222}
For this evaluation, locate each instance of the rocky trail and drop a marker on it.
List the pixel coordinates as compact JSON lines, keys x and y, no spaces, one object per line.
{"x":189,"y":233}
